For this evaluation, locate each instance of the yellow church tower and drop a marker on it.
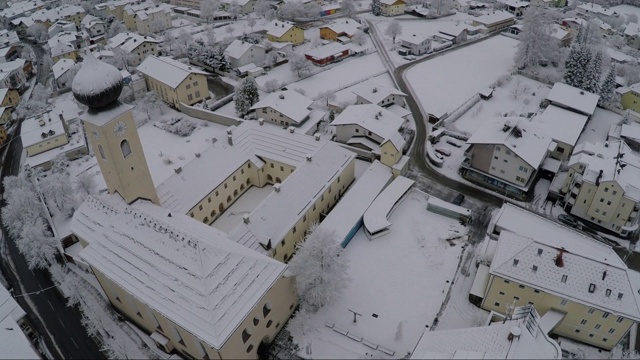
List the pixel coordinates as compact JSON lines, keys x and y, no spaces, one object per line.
{"x":112,"y":132}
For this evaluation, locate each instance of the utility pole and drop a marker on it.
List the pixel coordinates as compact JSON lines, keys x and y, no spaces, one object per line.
{"x":355,"y":316}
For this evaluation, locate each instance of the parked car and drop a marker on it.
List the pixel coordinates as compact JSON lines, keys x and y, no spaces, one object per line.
{"x":409,"y":57}
{"x":568,"y":220}
{"x":454,"y":143}
{"x":458,"y":200}
{"x":403,"y":52}
{"x":443,"y":151}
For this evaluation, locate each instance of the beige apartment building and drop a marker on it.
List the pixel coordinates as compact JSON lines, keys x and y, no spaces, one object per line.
{"x":42,"y":133}
{"x":392,"y":7}
{"x":138,"y":47}
{"x":9,"y":97}
{"x":602,"y":186}
{"x":173,"y":81}
{"x":582,"y":290}
{"x":283,"y":31}
{"x":153,"y":20}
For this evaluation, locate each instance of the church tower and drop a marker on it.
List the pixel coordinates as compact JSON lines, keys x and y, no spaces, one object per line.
{"x":112,"y":132}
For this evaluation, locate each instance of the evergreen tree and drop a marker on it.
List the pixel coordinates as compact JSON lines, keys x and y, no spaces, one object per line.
{"x":592,"y":74}
{"x":375,"y":8}
{"x":580,"y":36}
{"x":246,"y":94}
{"x":332,"y":116}
{"x":220,"y":61}
{"x":572,"y":72}
{"x":608,"y":86}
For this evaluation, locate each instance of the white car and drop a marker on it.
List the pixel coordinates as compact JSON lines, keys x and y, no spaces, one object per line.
{"x":443,"y":151}
{"x":409,"y":57}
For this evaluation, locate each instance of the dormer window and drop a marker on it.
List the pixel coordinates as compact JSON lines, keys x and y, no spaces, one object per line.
{"x":515,"y":262}
{"x":534,"y":268}
{"x":607,"y":293}
{"x":620,"y":296}
{"x":539,"y":252}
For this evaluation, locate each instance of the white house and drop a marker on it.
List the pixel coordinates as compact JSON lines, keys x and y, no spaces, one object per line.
{"x":417,"y":44}
{"x":367,"y":126}
{"x":241,"y":53}
{"x":591,"y":10}
{"x":283,"y":107}
{"x":12,"y":74}
{"x":632,"y":35}
{"x":515,"y":7}
{"x":137,"y":47}
{"x":371,"y":93}
{"x":8,"y":38}
{"x":15,"y":329}
{"x":62,"y":73}
{"x":94,"y":26}
{"x":574,"y":99}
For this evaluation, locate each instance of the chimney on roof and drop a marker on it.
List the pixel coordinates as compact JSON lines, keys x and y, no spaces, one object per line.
{"x":281,"y":96}
{"x":581,"y":92}
{"x":292,"y":129}
{"x":316,"y":136}
{"x":59,"y":115}
{"x":308,"y":157}
{"x":276,"y":187}
{"x":245,"y":218}
{"x":230,"y":139}
{"x":598,"y":178}
{"x":375,"y":90}
{"x":559,"y":261}
{"x":178,"y":170}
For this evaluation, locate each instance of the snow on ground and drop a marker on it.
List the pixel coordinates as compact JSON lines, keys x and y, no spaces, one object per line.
{"x":347,"y":97}
{"x":361,"y":167}
{"x":445,"y":82}
{"x":248,"y":202}
{"x":400,"y":276}
{"x":627,"y":10}
{"x":598,"y":127}
{"x":519,"y":95}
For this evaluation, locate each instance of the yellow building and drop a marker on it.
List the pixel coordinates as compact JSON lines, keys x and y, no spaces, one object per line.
{"x":136,"y":46}
{"x":582,"y":289}
{"x":282,"y":31}
{"x":631,"y":98}
{"x":184,"y":283}
{"x":173,"y":81}
{"x":9,"y":97}
{"x":64,"y":51}
{"x":603,"y":190}
{"x":5,"y":116}
{"x":341,"y":28}
{"x":153,"y":20}
{"x":392,"y":7}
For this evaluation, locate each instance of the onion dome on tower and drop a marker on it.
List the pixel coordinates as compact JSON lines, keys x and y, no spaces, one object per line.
{"x":97,"y":84}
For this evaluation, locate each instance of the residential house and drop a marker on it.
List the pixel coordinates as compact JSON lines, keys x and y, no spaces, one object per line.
{"x":520,"y":334}
{"x":9,"y":97}
{"x":246,"y":6}
{"x":505,"y":155}
{"x":632,"y":35}
{"x":61,"y":26}
{"x":563,"y":37}
{"x":153,"y":20}
{"x":94,"y":27}
{"x":287,"y":108}
{"x":71,"y":13}
{"x":136,"y":47}
{"x":173,"y":81}
{"x":282,"y":31}
{"x":495,"y":21}
{"x":580,"y":287}
{"x":591,"y":10}
{"x":15,"y":331}
{"x":602,"y":186}
{"x":392,"y":7}
{"x":20,"y":9}
{"x":113,"y":8}
{"x":466,"y":5}
{"x":198,"y":293}
{"x":193,"y":4}
{"x":66,"y":45}
{"x":242,"y":53}
{"x":327,"y":54}
{"x":12,"y":74}
{"x":8,"y":38}
{"x":416,"y":44}
{"x":341,"y":30}
{"x":372,"y":128}
{"x":573,"y":24}
{"x":64,"y":51}
{"x":573,"y":99}
{"x":62,"y":73}
{"x":8,"y":53}
{"x":371,"y":93}
{"x":515,"y":7}
{"x":330,"y":9}
{"x":549,"y":3}
{"x":630,"y":97}
{"x":456,"y":33}
{"x":43,"y":132}
{"x":564,"y":127}
{"x":5,"y":118}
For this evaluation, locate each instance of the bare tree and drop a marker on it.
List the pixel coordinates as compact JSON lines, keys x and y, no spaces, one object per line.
{"x":38,"y":31}
{"x":251,"y":21}
{"x":359,"y":38}
{"x":262,"y":8}
{"x":86,"y":184}
{"x":299,"y":64}
{"x":234,"y":9}
{"x":327,"y":96}
{"x":27,"y":52}
{"x":271,"y":85}
{"x":116,"y":28}
{"x":208,"y":9}
{"x":393,"y":30}
{"x":534,"y":38}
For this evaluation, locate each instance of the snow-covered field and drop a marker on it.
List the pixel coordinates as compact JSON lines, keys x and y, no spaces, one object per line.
{"x":627,"y":10}
{"x":400,"y":277}
{"x":248,"y":202}
{"x":444,"y":83}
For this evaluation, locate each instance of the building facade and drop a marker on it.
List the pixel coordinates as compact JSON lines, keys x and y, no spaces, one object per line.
{"x":392,"y":7}
{"x":282,"y":31}
{"x":630,"y":98}
{"x":173,"y":81}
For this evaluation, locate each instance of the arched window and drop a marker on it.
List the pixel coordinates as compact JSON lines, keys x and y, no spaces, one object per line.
{"x":126,"y":149}
{"x":101,"y":151}
{"x":246,"y":334}
{"x":235,"y":192}
{"x":205,"y":220}
{"x":266,"y":309}
{"x":269,"y":178}
{"x":278,"y":180}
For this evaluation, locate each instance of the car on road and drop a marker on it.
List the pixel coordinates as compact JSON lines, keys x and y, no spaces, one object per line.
{"x":409,"y":57}
{"x":568,"y":220}
{"x":458,"y":200}
{"x":443,"y":151}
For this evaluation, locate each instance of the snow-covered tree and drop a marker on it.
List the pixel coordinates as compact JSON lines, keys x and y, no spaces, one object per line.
{"x":158,"y":25}
{"x":320,"y":270}
{"x":116,"y":28}
{"x":632,"y":18}
{"x":208,"y":8}
{"x":332,"y":115}
{"x":299,"y":64}
{"x":312,"y":10}
{"x":620,"y":353}
{"x":630,"y":72}
{"x":210,"y":35}
{"x":533,"y":38}
{"x":120,"y":59}
{"x":271,"y":85}
{"x":58,"y":192}
{"x":37,"y":244}
{"x":36,"y":105}
{"x":85,"y":184}
{"x":327,"y":96}
{"x":393,"y":29}
{"x":592,"y":74}
{"x":27,"y":52}
{"x":349,"y":8}
{"x":151,"y":104}
{"x":22,"y":204}
{"x":270,"y":59}
{"x":38,"y":31}
{"x":359,"y":38}
{"x":607,"y":89}
{"x":234,"y":9}
{"x":262,"y":8}
{"x":573,"y":71}
{"x":246,"y":94}
{"x":251,"y":21}
{"x":375,"y":8}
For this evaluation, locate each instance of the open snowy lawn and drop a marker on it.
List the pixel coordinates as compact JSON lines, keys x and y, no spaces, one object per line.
{"x":519,"y":95}
{"x":244,"y":205}
{"x":346,"y":96}
{"x":445,"y":82}
{"x":400,"y":276}
{"x":626,"y":10}
{"x":598,"y":127}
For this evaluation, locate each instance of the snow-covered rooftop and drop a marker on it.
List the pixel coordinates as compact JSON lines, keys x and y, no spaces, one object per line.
{"x":375,"y":93}
{"x":14,"y":344}
{"x":278,"y":28}
{"x":60,"y":12}
{"x":573,"y":98}
{"x":8,"y":38}
{"x":186,"y":270}
{"x":494,"y":18}
{"x":167,"y":70}
{"x":515,"y":3}
{"x":375,"y":218}
{"x":524,"y":138}
{"x":596,"y":9}
{"x":89,"y":21}
{"x":326,"y":51}
{"x":561,"y":124}
{"x":488,"y":342}
{"x":61,"y":67}
{"x":129,"y":41}
{"x":414,"y":39}
{"x":31,"y":131}
{"x":238,"y":48}
{"x":517,"y":255}
{"x":374,"y":118}
{"x":18,"y":8}
{"x":605,"y":157}
{"x":632,"y":29}
{"x":289,"y":102}
{"x":343,"y":26}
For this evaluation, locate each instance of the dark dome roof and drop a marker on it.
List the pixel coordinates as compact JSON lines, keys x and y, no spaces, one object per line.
{"x":97,"y":84}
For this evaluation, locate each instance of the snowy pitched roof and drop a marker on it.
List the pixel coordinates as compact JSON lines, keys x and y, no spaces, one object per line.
{"x":577,"y":20}
{"x":515,"y":3}
{"x":391,"y":2}
{"x":58,"y":13}
{"x":66,"y":37}
{"x":488,"y":342}
{"x":290,"y":103}
{"x":326,"y":51}
{"x":61,"y":49}
{"x":596,"y":9}
{"x":632,"y":29}
{"x":524,"y":138}
{"x":187,"y":271}
{"x":18,"y":8}
{"x":344,"y":26}
{"x":494,"y":18}
{"x":573,"y":98}
{"x":375,"y":93}
{"x":10,"y":66}
{"x":61,"y":67}
{"x":238,"y":48}
{"x":31,"y":131}
{"x":453,"y":29}
{"x":561,"y":125}
{"x":415,"y":39}
{"x":129,"y":41}
{"x":3,"y":93}
{"x":278,"y":28}
{"x":14,"y":344}
{"x":604,"y":157}
{"x":374,"y":118}
{"x":8,"y":38}
{"x":557,"y":32}
{"x":89,"y":21}
{"x":516,"y":256}
{"x":167,"y":70}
